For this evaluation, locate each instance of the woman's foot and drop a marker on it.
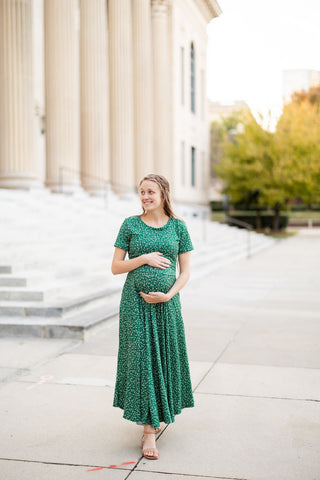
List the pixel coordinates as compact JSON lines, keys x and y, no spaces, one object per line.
{"x":149,"y":449}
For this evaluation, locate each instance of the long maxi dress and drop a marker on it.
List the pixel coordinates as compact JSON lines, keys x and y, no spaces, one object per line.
{"x":153,"y":378}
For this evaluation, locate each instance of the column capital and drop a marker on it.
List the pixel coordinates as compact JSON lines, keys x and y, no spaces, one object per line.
{"x":159,"y":7}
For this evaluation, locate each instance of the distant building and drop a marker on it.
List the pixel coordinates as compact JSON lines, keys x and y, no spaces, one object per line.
{"x":297,"y":80}
{"x":219,"y":110}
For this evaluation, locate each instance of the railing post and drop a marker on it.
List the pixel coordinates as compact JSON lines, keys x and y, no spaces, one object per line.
{"x":106,"y":193}
{"x":204,"y":226}
{"x":61,"y":179}
{"x":249,"y":252}
{"x":247,"y":226}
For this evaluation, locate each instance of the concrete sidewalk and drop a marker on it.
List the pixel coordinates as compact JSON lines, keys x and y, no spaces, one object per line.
{"x":253,"y":334}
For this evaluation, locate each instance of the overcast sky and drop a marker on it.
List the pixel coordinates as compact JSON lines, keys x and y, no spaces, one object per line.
{"x":253,"y":41}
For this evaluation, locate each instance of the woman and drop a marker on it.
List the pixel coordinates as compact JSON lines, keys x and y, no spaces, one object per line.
{"x":153,"y":378}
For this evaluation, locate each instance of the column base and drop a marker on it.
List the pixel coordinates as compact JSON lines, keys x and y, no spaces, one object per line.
{"x":96,"y":191}
{"x":123,"y":190}
{"x":68,"y":188}
{"x":21,"y":181}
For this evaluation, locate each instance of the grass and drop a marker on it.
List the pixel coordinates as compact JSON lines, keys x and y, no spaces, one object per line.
{"x":309,"y":214}
{"x":303,"y":216}
{"x":282,"y":234}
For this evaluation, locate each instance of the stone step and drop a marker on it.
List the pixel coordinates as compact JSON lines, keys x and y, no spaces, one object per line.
{"x":5,"y":269}
{"x":77,"y":326}
{"x":58,"y":267}
{"x":7,"y":280}
{"x":20,"y":295}
{"x":213,"y":260}
{"x":59,"y":307}
{"x":205,"y":268}
{"x":52,"y":282}
{"x":51,"y":290}
{"x":229,"y":246}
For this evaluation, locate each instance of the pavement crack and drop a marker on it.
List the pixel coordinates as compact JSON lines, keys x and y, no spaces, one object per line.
{"x":142,"y":457}
{"x":60,"y":463}
{"x":259,"y":396}
{"x":194,"y":475}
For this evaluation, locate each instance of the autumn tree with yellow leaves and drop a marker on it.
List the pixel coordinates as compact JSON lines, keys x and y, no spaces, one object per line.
{"x":272,"y":168}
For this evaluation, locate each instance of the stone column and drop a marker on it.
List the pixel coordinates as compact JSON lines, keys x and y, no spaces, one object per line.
{"x":62,"y":93}
{"x":161,"y":87}
{"x":121,"y":95}
{"x":143,"y":98}
{"x":94,"y":95}
{"x":18,"y":164}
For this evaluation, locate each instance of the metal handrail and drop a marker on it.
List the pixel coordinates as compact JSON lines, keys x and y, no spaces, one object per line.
{"x":106,"y":184}
{"x":239,"y":222}
{"x":247,"y":226}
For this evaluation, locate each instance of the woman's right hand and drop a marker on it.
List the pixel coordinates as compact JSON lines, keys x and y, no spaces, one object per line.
{"x":156,"y":259}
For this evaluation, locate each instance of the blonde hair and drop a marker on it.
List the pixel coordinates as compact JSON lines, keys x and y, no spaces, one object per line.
{"x":164,"y":189}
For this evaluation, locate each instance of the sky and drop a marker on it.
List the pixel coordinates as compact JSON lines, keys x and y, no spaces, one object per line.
{"x":253,"y":41}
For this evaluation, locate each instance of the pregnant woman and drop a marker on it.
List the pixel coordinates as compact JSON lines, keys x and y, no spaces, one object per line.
{"x":153,"y":378}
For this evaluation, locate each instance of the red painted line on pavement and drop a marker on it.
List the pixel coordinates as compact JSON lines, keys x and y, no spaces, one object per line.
{"x":111,"y":466}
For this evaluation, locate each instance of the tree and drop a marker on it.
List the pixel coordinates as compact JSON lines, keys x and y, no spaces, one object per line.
{"x":270,"y":168}
{"x":220,"y":132}
{"x":252,"y":168}
{"x":298,"y":137}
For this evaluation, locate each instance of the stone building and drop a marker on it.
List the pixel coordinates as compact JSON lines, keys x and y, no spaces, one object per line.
{"x":102,"y":92}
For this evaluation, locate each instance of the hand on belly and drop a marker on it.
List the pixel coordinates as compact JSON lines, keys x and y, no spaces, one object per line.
{"x":154,"y":297}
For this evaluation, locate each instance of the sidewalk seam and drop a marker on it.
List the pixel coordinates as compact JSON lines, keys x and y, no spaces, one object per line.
{"x":259,"y":396}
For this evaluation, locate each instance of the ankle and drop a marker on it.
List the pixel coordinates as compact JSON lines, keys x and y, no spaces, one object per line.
{"x":148,"y":429}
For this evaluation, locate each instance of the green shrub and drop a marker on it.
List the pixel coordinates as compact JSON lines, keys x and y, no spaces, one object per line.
{"x":216,"y":206}
{"x":253,"y":208}
{"x":266,"y":220}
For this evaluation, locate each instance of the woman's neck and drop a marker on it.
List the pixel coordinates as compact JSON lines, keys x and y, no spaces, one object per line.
{"x":157,"y":217}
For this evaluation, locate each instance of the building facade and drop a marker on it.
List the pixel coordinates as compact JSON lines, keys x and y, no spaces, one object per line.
{"x":103,"y":92}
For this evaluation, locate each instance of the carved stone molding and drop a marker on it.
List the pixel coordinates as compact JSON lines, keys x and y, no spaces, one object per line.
{"x":209,"y":8}
{"x":159,"y":7}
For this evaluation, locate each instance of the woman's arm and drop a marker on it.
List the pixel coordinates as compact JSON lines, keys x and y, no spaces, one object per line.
{"x":184,"y":275}
{"x":120,"y":265}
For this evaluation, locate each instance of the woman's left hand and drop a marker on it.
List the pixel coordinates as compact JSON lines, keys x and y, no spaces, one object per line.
{"x":154,"y":297}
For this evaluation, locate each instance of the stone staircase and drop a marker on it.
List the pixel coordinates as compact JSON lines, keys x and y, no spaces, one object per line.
{"x":55,"y":258}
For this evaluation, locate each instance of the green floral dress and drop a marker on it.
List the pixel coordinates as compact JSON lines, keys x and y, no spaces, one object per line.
{"x":153,"y":378}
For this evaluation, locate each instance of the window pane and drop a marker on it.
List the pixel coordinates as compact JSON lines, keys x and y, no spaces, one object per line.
{"x":183,"y":170}
{"x":182,"y":74}
{"x":193,"y":166}
{"x":192,"y":79}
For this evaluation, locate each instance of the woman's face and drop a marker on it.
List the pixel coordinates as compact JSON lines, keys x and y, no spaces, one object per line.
{"x":150,"y":196}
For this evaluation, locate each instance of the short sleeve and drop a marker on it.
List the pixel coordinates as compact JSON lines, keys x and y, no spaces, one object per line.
{"x":123,"y":238}
{"x":185,"y":244}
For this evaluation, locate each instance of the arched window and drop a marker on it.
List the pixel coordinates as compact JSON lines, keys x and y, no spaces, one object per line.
{"x":192,"y":79}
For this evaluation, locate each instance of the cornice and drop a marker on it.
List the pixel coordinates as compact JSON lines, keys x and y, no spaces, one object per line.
{"x":210,"y":8}
{"x":215,"y":8}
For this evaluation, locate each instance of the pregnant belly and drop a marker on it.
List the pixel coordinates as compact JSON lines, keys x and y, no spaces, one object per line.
{"x":153,"y":279}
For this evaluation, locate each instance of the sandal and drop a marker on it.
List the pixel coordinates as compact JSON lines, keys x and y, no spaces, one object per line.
{"x":153,"y":449}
